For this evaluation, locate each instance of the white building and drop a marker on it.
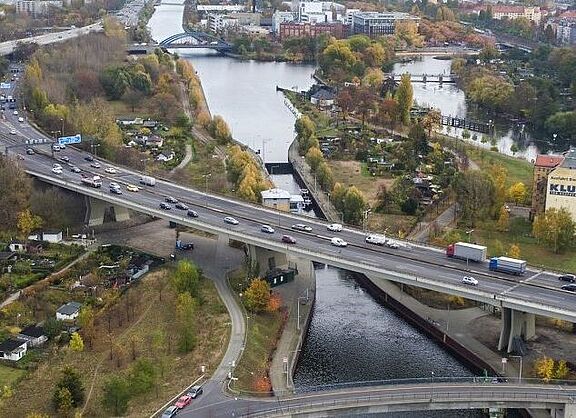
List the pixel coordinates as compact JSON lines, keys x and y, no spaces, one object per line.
{"x":53,"y":237}
{"x":33,"y":335}
{"x":219,"y":22}
{"x":36,"y":7}
{"x":68,"y":312}
{"x":281,"y":17}
{"x":282,"y":200}
{"x":13,"y":350}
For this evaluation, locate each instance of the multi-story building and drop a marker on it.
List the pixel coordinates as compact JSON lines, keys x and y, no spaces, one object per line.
{"x":290,"y":30}
{"x":377,"y":24}
{"x":543,"y":166}
{"x":281,"y":17}
{"x":36,"y":7}
{"x":564,"y":27}
{"x":561,"y":185}
{"x":507,"y":11}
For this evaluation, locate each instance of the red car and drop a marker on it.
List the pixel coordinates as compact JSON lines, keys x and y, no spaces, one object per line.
{"x":183,"y":402}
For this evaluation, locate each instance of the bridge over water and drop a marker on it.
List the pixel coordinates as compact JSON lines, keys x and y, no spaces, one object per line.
{"x":426,"y":78}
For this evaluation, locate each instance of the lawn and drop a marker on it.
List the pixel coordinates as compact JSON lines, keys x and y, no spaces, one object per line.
{"x":8,"y":375}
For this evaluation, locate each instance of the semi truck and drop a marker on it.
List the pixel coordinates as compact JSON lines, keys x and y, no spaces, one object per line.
{"x":507,"y":265}
{"x":467,"y":251}
{"x":147,"y":181}
{"x":92,"y":181}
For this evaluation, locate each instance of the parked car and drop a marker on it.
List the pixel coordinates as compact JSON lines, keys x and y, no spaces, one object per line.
{"x":165,"y":206}
{"x":192,"y":213}
{"x":195,"y":391}
{"x":301,"y":227}
{"x":183,"y":401}
{"x":470,"y":280}
{"x":334,"y":227}
{"x":230,"y":220}
{"x":267,"y":228}
{"x":288,"y":239}
{"x":567,"y":278}
{"x":187,"y":246}
{"x":170,"y":412}
{"x":171,"y":199}
{"x":338,"y":242}
{"x":181,"y":206}
{"x":570,"y":287}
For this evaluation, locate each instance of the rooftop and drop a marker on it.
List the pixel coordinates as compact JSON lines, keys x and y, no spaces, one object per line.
{"x":569,"y":159}
{"x":69,"y":308}
{"x":33,"y":331}
{"x":548,"y":160}
{"x":275,"y":194}
{"x":11,"y":345}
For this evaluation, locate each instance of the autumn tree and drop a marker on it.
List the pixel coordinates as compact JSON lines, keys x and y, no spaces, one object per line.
{"x":514,"y":251}
{"x":544,"y":368}
{"x":15,"y":186}
{"x":562,"y":370}
{"x":503,"y":220}
{"x":219,"y":129}
{"x":431,"y":121}
{"x":314,"y":157}
{"x":257,"y":296}
{"x":555,"y":228}
{"x":517,"y":192}
{"x":28,"y":222}
{"x":63,"y":402}
{"x":185,"y":317}
{"x":405,"y":98}
{"x":76,"y":342}
{"x":324,"y":176}
{"x":475,"y":195}
{"x":71,"y":381}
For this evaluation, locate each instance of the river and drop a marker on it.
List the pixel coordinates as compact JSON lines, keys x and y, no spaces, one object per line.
{"x":346,"y":321}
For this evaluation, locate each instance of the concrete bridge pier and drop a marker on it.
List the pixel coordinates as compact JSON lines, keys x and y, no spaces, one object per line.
{"x":266,"y":259}
{"x":96,"y":211}
{"x":515,"y":324}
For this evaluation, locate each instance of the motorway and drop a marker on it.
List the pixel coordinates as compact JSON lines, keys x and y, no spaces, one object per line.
{"x":412,"y":260}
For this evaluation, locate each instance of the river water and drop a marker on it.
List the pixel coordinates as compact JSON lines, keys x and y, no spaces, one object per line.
{"x":346,"y":321}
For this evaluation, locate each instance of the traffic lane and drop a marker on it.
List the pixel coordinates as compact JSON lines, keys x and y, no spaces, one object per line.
{"x":561,"y":298}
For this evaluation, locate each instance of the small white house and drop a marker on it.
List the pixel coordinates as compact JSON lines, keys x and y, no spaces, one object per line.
{"x":17,"y":246}
{"x":276,"y":198}
{"x":33,"y":335}
{"x":323,"y":98}
{"x":68,"y":312}
{"x":166,"y":156}
{"x":13,"y":350}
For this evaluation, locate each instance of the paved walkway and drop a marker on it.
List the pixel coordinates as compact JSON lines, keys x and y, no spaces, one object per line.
{"x":187,"y":158}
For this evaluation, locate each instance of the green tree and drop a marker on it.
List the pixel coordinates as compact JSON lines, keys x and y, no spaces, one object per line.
{"x":325,"y":177}
{"x":115,"y":81}
{"x":15,"y":186}
{"x":142,"y":376}
{"x":354,"y":205}
{"x":116,"y":395}
{"x":186,"y":278}
{"x":475,"y":195}
{"x":63,"y":402}
{"x":76,"y":342}
{"x":257,"y":296}
{"x":490,"y":91}
{"x":185,"y":316}
{"x":562,"y":370}
{"x":555,"y":228}
{"x":405,"y":98}
{"x":71,"y":381}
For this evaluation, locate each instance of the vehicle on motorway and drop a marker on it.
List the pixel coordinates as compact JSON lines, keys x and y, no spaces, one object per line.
{"x":375,"y":239}
{"x":95,"y":164}
{"x":65,"y":158}
{"x":92,"y":181}
{"x":56,"y":165}
{"x":230,"y":220}
{"x":392,"y":244}
{"x":288,"y":239}
{"x":12,"y":131}
{"x":114,"y":185}
{"x":116,"y":190}
{"x":181,"y":206}
{"x":110,"y":170}
{"x":187,"y":246}
{"x":21,"y":119}
{"x":30,"y":151}
{"x":467,"y":251}
{"x":62,"y":146}
{"x":334,"y":227}
{"x":338,"y":242}
{"x":192,"y":213}
{"x":15,"y":113}
{"x":170,"y":199}
{"x":89,"y":158}
{"x":165,"y":206}
{"x":507,"y":265}
{"x":132,"y":188}
{"x":570,"y":287}
{"x":301,"y":227}
{"x":170,"y":412}
{"x":183,"y":401}
{"x":56,"y":148}
{"x":195,"y":391}
{"x":267,"y":228}
{"x":567,"y":278}
{"x":75,"y":169}
{"x":147,"y":181}
{"x":470,"y":280}
{"x":57,"y":170}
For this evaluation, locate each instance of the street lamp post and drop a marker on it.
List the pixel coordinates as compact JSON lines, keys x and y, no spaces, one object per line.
{"x":519,"y":371}
{"x":206,"y":185}
{"x":469,"y":232}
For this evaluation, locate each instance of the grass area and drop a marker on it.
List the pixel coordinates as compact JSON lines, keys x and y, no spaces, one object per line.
{"x":122,"y":109}
{"x":9,"y":375}
{"x":152,"y":305}
{"x":263,"y":333}
{"x":205,"y":161}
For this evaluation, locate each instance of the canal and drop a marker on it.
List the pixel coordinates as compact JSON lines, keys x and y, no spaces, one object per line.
{"x":352,"y":338}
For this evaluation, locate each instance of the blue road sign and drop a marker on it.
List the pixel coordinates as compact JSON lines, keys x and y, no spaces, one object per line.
{"x":66,"y":140}
{"x":5,"y":85}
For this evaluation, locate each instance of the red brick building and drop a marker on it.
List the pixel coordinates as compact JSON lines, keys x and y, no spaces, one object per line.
{"x":298,"y":30}
{"x":543,"y":166}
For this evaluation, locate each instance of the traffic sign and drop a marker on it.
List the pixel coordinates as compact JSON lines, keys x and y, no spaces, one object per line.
{"x":66,"y":140}
{"x":5,"y":85}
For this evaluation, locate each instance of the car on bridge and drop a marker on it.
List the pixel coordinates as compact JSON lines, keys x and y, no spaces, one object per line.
{"x":75,"y":169}
{"x":170,"y":199}
{"x":132,"y":188}
{"x":338,"y":242}
{"x":230,"y":220}
{"x":267,"y":228}
{"x":567,"y":278}
{"x":181,"y":206}
{"x":192,"y":213}
{"x":569,"y":287}
{"x":65,"y":158}
{"x":165,"y":206}
{"x":57,"y":170}
{"x":89,"y":158}
{"x":95,"y":164}
{"x":334,"y":227}
{"x":470,"y":280}
{"x":12,"y":131}
{"x":110,"y":170}
{"x":375,"y":239}
{"x":30,"y":151}
{"x":288,"y":239}
{"x":301,"y":227}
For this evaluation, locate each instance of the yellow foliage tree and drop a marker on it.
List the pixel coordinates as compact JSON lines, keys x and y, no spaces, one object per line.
{"x":503,"y":220}
{"x":257,"y":296}
{"x":28,"y":222}
{"x":514,"y":251}
{"x":562,"y":370}
{"x":544,"y":368}
{"x":517,"y":192}
{"x":76,"y":342}
{"x":314,"y":157}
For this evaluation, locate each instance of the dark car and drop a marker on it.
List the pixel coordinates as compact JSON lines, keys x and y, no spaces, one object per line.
{"x":570,"y":287}
{"x":192,"y":213}
{"x":567,"y":278}
{"x":115,"y":190}
{"x":30,"y":151}
{"x":187,"y":246}
{"x":181,"y":206}
{"x":195,"y":391}
{"x":89,"y":158}
{"x":171,"y":199}
{"x":288,"y":239}
{"x":165,"y":206}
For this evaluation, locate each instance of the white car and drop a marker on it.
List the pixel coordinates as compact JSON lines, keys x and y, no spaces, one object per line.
{"x":95,"y":164}
{"x":12,"y":131}
{"x":267,"y":228}
{"x":56,"y":165}
{"x":21,"y":119}
{"x":334,"y":227}
{"x":470,"y":280}
{"x":302,"y":227}
{"x":375,"y":239}
{"x":114,"y":185}
{"x":392,"y":244}
{"x":15,"y":113}
{"x":338,"y":242}
{"x":57,"y":170}
{"x":110,"y":170}
{"x":230,"y":220}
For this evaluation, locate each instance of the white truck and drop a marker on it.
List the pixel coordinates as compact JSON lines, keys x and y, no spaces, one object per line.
{"x":467,"y":251}
{"x":147,"y":181}
{"x":92,"y":181}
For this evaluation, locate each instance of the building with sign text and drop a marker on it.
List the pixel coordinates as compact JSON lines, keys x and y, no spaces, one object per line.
{"x":561,"y":187}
